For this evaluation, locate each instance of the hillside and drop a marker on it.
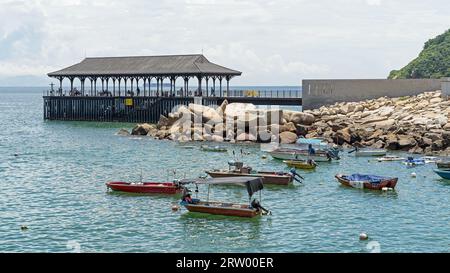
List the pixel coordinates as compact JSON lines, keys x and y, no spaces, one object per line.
{"x":432,"y":62}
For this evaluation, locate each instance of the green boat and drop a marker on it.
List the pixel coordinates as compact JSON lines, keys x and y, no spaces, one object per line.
{"x":218,"y":149}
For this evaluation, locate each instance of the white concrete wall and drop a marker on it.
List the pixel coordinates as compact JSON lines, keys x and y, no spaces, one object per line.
{"x":325,"y":92}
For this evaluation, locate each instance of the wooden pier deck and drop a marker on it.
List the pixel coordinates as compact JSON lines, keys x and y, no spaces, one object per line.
{"x":137,"y":109}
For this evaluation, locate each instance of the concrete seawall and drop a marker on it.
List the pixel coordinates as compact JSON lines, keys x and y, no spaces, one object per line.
{"x":317,"y":93}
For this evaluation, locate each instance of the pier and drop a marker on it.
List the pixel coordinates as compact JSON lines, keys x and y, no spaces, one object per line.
{"x":120,"y":97}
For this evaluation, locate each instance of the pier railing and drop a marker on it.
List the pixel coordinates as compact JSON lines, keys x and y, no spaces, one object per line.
{"x":236,"y":93}
{"x":148,"y":106}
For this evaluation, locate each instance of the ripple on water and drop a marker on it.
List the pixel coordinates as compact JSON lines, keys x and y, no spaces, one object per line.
{"x":56,"y":187}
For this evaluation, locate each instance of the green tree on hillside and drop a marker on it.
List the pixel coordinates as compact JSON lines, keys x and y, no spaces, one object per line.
{"x":432,"y":62}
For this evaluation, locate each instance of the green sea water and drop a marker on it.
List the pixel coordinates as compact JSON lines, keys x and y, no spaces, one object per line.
{"x":53,"y":174}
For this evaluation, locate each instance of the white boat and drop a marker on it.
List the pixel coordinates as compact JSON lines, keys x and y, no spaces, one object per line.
{"x":429,"y":159}
{"x":390,"y":158}
{"x":294,"y":154}
{"x":370,"y":152}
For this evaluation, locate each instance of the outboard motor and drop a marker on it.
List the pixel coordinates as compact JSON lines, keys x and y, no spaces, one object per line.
{"x":334,"y":153}
{"x":296,"y":176}
{"x":257,"y":205}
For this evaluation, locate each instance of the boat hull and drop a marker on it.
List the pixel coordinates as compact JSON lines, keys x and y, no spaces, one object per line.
{"x":226,"y":209}
{"x":443,"y":165}
{"x":444,"y":173}
{"x":370,"y":153}
{"x":299,"y":164}
{"x":388,"y":183}
{"x":267,"y":177}
{"x":299,"y":156}
{"x":145,"y":187}
{"x":390,"y":159}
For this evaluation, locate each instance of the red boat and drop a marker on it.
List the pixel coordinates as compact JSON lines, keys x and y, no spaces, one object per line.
{"x":221,"y":208}
{"x":253,"y":184}
{"x":363,"y":181}
{"x":146,"y":187}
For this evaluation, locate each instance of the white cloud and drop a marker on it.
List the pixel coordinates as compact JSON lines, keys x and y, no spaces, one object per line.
{"x":373,"y":2}
{"x":271,"y":42}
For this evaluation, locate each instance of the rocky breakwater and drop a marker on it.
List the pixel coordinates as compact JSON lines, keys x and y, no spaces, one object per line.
{"x":417,"y":124}
{"x":234,"y":122}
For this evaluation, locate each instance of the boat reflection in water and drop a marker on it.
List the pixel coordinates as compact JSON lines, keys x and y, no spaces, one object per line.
{"x":253,"y":209}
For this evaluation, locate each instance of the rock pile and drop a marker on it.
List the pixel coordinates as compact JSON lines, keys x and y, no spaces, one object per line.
{"x":233,"y":122}
{"x":418,"y":124}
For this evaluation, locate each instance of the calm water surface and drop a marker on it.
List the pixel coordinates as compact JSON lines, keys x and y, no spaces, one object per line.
{"x":56,"y":187}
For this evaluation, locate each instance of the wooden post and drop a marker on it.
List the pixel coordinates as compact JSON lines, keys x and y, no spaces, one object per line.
{"x":220,"y":86}
{"x":60,"y":83}
{"x":92,"y":86}
{"x":228,"y":86}
{"x":95,"y":86}
{"x":125,"y":91}
{"x":114,"y":86}
{"x":199,"y":92}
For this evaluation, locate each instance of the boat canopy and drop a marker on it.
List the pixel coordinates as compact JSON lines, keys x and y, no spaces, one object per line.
{"x":313,"y":141}
{"x":366,"y":178}
{"x":253,"y":184}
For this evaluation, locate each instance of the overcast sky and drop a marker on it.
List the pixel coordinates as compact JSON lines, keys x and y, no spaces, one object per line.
{"x":271,"y":42}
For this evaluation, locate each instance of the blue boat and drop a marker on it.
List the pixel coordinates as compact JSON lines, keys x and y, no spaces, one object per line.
{"x":444,"y":173}
{"x":410,"y":161}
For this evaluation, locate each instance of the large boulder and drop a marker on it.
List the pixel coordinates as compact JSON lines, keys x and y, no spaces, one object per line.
{"x":163,"y":122}
{"x":406,"y":141}
{"x":288,"y":127}
{"x":222,"y":108}
{"x":237,"y":109}
{"x":298,"y":117}
{"x":217,"y":138}
{"x":246,"y":137}
{"x":207,"y":113}
{"x":142,"y":129}
{"x":288,"y":137}
{"x":392,"y":142}
{"x":123,"y":132}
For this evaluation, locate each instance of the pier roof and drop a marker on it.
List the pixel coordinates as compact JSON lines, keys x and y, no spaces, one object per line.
{"x":165,"y":65}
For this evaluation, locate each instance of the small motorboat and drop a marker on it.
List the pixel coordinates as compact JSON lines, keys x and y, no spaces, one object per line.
{"x":146,"y":187}
{"x":301,"y":164}
{"x":369,"y":152}
{"x":429,"y":159}
{"x":410,"y":161}
{"x":253,"y":185}
{"x":296,"y":154}
{"x":236,"y":168}
{"x":444,"y":173}
{"x":218,"y":149}
{"x":443,"y":164}
{"x":390,"y":158}
{"x":365,"y":181}
{"x":188,"y":147}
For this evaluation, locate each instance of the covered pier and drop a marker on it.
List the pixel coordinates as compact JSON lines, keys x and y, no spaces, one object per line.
{"x":141,"y":88}
{"x":135,"y":76}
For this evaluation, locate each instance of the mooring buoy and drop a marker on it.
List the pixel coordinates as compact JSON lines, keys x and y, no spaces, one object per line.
{"x":363,"y":236}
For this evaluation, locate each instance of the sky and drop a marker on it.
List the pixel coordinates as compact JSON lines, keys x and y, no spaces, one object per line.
{"x":271,"y":42}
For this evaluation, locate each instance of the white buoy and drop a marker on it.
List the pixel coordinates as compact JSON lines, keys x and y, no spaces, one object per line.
{"x":175,"y":207}
{"x":384,"y":189}
{"x":363,"y":236}
{"x":413,"y":175}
